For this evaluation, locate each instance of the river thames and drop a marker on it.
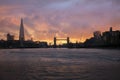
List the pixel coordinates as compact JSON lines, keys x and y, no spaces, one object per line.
{"x":59,"y":64}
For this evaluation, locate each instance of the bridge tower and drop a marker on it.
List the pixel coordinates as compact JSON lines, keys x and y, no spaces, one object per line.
{"x":68,"y":40}
{"x":55,"y":42}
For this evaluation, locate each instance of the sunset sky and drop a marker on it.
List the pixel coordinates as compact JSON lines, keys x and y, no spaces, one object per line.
{"x":44,"y":19}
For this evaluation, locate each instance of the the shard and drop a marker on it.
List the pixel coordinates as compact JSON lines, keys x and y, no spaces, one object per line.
{"x":21,"y":33}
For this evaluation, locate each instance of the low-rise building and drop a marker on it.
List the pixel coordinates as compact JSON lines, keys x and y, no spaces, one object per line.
{"x":10,"y":37}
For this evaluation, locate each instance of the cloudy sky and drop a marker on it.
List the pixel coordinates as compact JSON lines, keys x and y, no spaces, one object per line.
{"x":44,"y":19}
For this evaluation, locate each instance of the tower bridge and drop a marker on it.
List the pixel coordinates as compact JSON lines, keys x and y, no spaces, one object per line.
{"x":61,"y":39}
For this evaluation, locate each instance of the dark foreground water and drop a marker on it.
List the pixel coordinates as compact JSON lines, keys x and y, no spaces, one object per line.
{"x":59,"y":64}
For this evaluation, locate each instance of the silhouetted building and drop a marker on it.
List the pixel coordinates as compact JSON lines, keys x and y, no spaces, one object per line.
{"x":21,"y":33}
{"x":107,"y":39}
{"x":10,"y":37}
{"x":111,"y":37}
{"x":43,"y":44}
{"x":95,"y":41}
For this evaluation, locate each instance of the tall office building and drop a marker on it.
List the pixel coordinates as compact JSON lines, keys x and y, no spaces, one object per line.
{"x":21,"y":34}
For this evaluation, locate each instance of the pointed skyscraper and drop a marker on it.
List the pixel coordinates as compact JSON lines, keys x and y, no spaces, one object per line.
{"x":21,"y":34}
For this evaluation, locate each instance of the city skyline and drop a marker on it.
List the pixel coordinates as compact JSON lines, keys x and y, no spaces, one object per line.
{"x":43,"y":20}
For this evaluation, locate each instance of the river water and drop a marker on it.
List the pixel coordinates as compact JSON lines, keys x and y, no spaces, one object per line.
{"x":59,"y":64}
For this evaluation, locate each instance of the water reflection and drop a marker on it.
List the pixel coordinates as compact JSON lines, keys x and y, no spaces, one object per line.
{"x":59,"y":64}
